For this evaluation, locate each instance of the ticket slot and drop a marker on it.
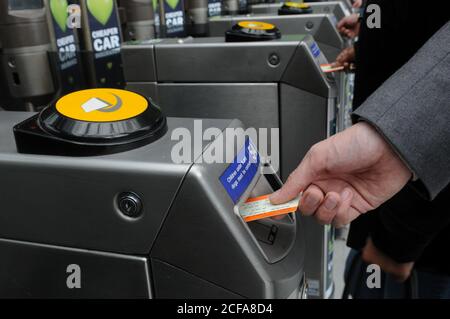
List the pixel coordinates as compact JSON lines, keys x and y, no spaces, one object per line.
{"x":274,"y":237}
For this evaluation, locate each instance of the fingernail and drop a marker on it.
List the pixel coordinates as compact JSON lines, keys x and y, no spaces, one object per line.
{"x":346,"y":194}
{"x":310,"y":201}
{"x":330,"y":203}
{"x":274,"y":195}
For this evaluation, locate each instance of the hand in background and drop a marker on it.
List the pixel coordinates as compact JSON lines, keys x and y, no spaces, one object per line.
{"x":345,"y":58}
{"x":349,"y":26}
{"x":357,"y":4}
{"x":345,"y":176}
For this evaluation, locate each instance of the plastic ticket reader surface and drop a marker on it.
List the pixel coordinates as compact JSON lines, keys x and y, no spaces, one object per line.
{"x":274,"y":84}
{"x":337,"y":8}
{"x":102,"y":209}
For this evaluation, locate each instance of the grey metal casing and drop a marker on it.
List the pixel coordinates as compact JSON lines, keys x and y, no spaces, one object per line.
{"x":336,"y":8}
{"x":238,"y":80}
{"x":213,"y":79}
{"x":196,"y":17}
{"x":140,"y":20}
{"x":61,"y":211}
{"x":321,"y":26}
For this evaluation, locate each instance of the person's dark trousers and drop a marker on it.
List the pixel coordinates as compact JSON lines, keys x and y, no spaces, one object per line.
{"x":423,"y":285}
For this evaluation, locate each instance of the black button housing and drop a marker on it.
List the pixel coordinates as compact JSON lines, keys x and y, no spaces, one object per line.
{"x":52,"y":133}
{"x":130,"y":204}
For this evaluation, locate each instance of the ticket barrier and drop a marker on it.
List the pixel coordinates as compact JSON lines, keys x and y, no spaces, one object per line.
{"x":275,"y":84}
{"x":95,"y":206}
{"x":321,"y":26}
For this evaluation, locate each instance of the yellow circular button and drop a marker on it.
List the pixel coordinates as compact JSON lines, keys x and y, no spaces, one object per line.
{"x":102,"y":105}
{"x":297,"y":5}
{"x":256,"y":25}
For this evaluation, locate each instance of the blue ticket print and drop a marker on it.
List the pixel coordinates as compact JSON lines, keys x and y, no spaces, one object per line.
{"x":239,"y":174}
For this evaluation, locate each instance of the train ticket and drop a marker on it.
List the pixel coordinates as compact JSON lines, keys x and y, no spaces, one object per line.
{"x":328,"y":68}
{"x":260,"y":207}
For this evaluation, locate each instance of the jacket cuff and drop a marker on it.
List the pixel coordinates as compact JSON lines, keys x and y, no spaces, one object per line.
{"x":398,"y":245}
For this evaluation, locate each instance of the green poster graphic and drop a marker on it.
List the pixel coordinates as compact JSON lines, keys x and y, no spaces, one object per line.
{"x":101,"y":9}
{"x":173,"y":3}
{"x":59,"y":12}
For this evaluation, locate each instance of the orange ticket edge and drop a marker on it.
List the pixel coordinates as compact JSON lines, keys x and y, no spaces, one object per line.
{"x":327,"y":68}
{"x":255,"y":199}
{"x":271,"y":214}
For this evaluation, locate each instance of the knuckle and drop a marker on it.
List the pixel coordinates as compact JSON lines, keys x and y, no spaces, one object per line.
{"x":306,"y":212}
{"x":314,"y":150}
{"x":318,"y":157}
{"x":319,"y":219}
{"x":315,"y":155}
{"x":324,"y":217}
{"x":291,"y":177}
{"x":291,"y":181}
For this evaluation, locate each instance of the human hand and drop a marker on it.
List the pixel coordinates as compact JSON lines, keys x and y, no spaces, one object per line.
{"x":345,"y":176}
{"x":345,"y":58}
{"x":357,"y":4}
{"x":372,"y":255}
{"x":349,"y":26}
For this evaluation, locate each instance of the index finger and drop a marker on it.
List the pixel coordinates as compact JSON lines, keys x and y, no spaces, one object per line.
{"x":341,"y":23}
{"x":299,"y":180}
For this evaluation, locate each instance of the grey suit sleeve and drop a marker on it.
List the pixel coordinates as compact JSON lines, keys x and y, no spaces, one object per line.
{"x":412,"y":111}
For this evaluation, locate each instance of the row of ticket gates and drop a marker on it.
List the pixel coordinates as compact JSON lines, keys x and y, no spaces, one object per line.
{"x":99,"y":192}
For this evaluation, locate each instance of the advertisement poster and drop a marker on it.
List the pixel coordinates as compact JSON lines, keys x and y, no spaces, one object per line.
{"x":67,"y":55}
{"x":105,"y":36}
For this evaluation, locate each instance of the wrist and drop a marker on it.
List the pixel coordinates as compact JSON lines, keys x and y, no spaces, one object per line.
{"x":375,"y":134}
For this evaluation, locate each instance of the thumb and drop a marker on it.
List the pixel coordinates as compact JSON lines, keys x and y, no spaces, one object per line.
{"x":336,"y":64}
{"x":342,"y":22}
{"x":299,"y":180}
